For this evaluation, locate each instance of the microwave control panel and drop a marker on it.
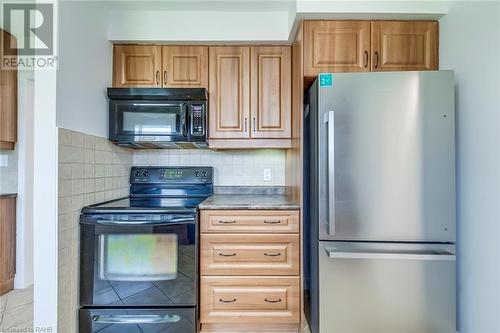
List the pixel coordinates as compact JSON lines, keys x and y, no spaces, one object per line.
{"x":198,"y":120}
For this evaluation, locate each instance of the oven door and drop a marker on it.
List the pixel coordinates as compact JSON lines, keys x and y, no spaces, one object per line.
{"x":138,"y":263}
{"x":142,"y":121}
{"x":137,"y":320}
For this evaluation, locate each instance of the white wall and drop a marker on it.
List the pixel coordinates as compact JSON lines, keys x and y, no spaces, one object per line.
{"x":25,"y":145}
{"x":196,"y":26}
{"x":470,"y":44}
{"x":85,"y":57}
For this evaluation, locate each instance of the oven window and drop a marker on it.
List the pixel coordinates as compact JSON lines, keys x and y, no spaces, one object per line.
{"x":150,"y":123}
{"x":138,"y":257}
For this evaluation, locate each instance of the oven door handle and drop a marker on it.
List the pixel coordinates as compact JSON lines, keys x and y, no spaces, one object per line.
{"x":135,"y":319}
{"x":142,"y":223}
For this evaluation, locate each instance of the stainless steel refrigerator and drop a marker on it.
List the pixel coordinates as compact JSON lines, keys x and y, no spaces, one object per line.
{"x":379,"y":254}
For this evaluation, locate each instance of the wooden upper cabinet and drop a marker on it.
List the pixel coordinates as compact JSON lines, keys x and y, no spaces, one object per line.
{"x":7,"y":244}
{"x":336,"y":46}
{"x":271,"y":92}
{"x":137,"y":66}
{"x":404,"y":45}
{"x":8,"y":98}
{"x":229,"y":92}
{"x":185,"y":66}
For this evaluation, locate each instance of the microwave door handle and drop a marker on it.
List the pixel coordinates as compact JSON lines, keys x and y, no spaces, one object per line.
{"x":185,"y":121}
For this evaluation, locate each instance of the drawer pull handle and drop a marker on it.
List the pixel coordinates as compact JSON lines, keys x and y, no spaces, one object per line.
{"x":272,"y":222}
{"x":272,"y":254}
{"x":227,"y":301}
{"x":226,"y":222}
{"x":227,"y":255}
{"x":273,"y":301}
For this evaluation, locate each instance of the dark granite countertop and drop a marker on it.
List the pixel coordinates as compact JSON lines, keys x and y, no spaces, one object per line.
{"x":249,"y":201}
{"x":8,"y":195}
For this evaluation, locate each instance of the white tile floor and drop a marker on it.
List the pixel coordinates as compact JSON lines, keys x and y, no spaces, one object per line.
{"x":16,"y":310}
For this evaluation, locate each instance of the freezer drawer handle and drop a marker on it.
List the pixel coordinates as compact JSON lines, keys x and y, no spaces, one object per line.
{"x":227,"y":255}
{"x":272,"y":301}
{"x":272,"y":222}
{"x":331,"y":172}
{"x":135,"y":319}
{"x":227,"y":301}
{"x":272,"y":254}
{"x":226,"y":222}
{"x":430,"y":255}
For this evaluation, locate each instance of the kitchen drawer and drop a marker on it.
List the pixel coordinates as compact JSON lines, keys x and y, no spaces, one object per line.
{"x":242,"y":254}
{"x":249,"y":299}
{"x":249,"y":221}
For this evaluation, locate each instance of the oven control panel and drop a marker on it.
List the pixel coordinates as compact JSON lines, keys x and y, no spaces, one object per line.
{"x":145,"y":175}
{"x":198,"y":120}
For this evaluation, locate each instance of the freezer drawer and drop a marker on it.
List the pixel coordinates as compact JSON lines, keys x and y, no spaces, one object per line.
{"x":174,"y":320}
{"x":386,"y":288}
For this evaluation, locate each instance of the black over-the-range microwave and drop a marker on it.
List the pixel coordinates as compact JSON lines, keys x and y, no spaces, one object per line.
{"x":158,"y":117}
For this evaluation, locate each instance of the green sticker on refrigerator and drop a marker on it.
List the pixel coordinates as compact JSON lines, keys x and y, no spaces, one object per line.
{"x":326,"y":80}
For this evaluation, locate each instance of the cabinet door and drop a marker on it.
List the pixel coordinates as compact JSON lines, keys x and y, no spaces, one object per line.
{"x":336,"y":46}
{"x":229,"y":108}
{"x":185,"y":66}
{"x":7,"y":244}
{"x":404,"y":45}
{"x":271,"y":92}
{"x":8,"y":100}
{"x":136,"y":66}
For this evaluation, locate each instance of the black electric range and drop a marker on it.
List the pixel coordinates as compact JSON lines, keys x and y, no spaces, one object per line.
{"x":139,"y":255}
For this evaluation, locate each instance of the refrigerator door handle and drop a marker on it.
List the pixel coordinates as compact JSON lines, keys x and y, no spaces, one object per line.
{"x":415,"y":255}
{"x":331,"y":172}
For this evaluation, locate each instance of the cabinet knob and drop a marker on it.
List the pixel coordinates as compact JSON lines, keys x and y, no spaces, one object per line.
{"x":227,"y":255}
{"x":272,"y":254}
{"x":272,"y":222}
{"x":245,"y":125}
{"x":366,"y":59}
{"x":165,"y":77}
{"x":158,"y":77}
{"x":376,"y":59}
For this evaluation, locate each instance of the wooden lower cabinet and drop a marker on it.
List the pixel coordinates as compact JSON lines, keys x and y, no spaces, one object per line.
{"x":7,"y":244}
{"x":250,"y":299}
{"x":250,"y":271}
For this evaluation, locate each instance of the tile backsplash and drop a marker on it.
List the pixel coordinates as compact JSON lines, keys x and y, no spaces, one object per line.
{"x":91,"y":170}
{"x":231,"y":167}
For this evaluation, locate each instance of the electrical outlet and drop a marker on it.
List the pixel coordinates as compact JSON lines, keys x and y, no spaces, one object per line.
{"x":267,"y":175}
{"x":4,"y":160}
